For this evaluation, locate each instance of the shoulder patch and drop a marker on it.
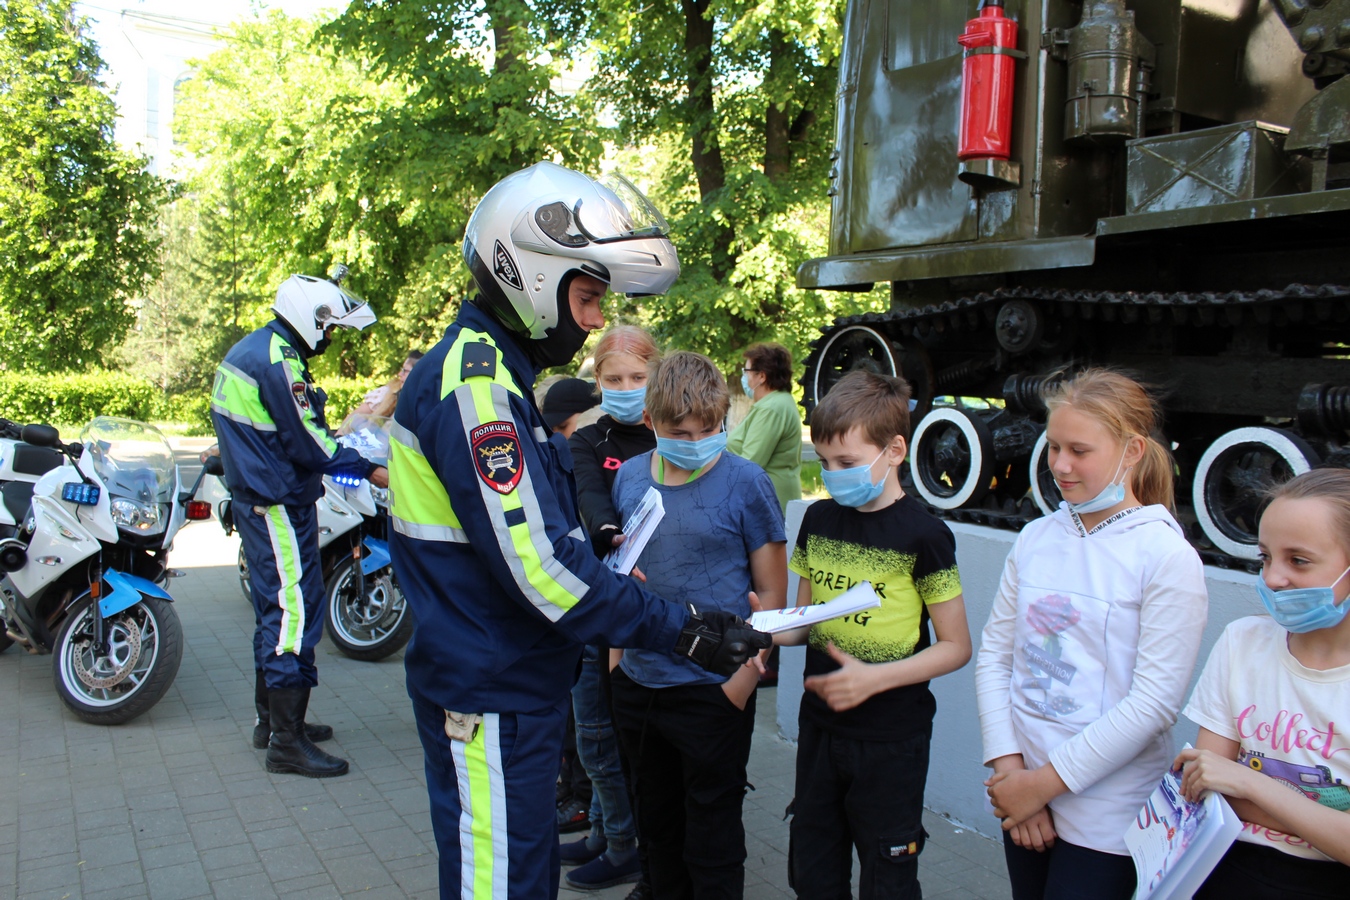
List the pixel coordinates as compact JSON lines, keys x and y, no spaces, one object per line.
{"x":298,"y":389}
{"x":496,"y":455}
{"x":289,"y":352}
{"x":478,"y":358}
{"x":504,"y":267}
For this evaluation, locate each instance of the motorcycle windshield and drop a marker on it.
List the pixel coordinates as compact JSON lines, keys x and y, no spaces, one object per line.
{"x":132,"y":458}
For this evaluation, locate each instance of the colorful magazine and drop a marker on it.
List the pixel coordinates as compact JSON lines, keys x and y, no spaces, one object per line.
{"x":1176,"y":843}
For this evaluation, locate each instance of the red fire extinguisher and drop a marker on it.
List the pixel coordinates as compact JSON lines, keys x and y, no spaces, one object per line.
{"x":990,"y":40}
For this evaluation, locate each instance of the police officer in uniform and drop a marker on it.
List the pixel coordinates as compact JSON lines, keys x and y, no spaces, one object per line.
{"x":487,"y":543}
{"x":276,"y":448}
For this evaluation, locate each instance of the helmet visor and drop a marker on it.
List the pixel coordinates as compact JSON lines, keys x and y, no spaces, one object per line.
{"x":618,"y":211}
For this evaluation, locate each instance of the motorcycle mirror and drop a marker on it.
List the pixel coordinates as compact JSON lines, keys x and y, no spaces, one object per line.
{"x":214,"y":466}
{"x":40,"y":436}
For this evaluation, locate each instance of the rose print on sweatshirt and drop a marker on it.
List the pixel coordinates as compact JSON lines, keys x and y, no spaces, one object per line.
{"x":1050,"y":617}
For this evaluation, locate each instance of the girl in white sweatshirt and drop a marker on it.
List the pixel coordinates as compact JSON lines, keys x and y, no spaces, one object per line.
{"x":1089,"y":648}
{"x":1273,"y":704}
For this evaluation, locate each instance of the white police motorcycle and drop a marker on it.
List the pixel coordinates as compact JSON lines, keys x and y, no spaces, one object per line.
{"x":366,"y":614}
{"x":83,"y":560}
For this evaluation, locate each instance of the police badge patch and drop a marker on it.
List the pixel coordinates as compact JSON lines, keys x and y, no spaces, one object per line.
{"x":496,"y":454}
{"x":301,"y":397}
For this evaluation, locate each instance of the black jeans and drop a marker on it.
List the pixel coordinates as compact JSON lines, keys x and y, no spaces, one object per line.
{"x":1068,"y":872}
{"x":1253,"y":872}
{"x":863,"y":795}
{"x":689,"y":746}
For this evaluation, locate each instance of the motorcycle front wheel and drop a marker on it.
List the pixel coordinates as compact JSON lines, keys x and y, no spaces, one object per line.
{"x":145,"y":646}
{"x":368,"y":627}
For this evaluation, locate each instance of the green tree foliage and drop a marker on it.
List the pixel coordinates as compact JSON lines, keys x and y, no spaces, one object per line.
{"x":159,"y":347}
{"x":77,"y":215}
{"x":738,"y":99}
{"x":367,"y":143}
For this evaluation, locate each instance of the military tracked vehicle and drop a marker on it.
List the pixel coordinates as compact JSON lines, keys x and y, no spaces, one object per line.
{"x":1174,"y":200}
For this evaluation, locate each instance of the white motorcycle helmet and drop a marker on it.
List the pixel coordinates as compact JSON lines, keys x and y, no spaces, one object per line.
{"x":312,"y":305}
{"x":538,"y":228}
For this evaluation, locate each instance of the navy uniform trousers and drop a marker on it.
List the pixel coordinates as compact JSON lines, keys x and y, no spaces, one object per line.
{"x":488,"y":797}
{"x":281,"y":544}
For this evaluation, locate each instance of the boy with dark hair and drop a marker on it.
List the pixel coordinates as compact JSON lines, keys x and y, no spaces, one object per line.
{"x":688,"y":733}
{"x":866,"y":716}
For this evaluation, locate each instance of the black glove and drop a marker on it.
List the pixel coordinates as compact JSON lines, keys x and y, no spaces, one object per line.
{"x":719,"y":641}
{"x":602,"y":539}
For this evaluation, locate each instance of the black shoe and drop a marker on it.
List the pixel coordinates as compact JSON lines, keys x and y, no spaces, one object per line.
{"x":290,"y":750}
{"x":641,"y":891}
{"x":574,"y":815}
{"x":262,"y":727}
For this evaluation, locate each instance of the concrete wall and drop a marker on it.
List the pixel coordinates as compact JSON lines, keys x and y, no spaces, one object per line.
{"x":956,"y":772}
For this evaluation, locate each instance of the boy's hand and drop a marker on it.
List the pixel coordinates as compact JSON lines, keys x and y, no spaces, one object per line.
{"x":719,"y":641}
{"x":846,"y":687}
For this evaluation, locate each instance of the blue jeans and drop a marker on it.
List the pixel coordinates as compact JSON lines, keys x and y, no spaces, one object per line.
{"x":598,"y":750}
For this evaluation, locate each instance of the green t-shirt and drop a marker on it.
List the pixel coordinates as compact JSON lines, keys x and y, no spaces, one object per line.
{"x":771,"y":435}
{"x":909,"y":556}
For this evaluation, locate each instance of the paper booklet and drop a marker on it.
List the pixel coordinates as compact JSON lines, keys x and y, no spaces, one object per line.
{"x":639,"y":529}
{"x":1176,"y":843}
{"x":854,"y":600}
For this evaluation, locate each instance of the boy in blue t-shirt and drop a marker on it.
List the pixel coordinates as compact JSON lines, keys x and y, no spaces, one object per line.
{"x":867,"y":714}
{"x":687,"y":731}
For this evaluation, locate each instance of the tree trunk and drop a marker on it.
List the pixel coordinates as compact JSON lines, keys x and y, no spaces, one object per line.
{"x":706,"y":148}
{"x":777,"y":149}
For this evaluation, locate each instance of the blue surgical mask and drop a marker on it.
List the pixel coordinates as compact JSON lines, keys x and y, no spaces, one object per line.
{"x":1301,"y":610}
{"x":1112,"y":494}
{"x":624,"y":406}
{"x":854,"y":486}
{"x":745,"y":385}
{"x":691,"y":455}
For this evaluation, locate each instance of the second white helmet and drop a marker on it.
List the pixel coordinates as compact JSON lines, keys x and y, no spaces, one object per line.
{"x":311,"y":305}
{"x":536,"y":228}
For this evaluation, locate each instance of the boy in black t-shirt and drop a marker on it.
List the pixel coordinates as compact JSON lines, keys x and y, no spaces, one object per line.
{"x":866,"y":717}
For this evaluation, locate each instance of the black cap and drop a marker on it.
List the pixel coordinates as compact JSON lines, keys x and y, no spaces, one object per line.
{"x":566,"y":398}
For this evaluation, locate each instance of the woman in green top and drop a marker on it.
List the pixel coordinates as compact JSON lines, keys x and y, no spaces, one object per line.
{"x":771,"y":434}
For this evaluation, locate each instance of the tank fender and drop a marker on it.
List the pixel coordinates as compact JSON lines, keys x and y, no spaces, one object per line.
{"x":126,"y":592}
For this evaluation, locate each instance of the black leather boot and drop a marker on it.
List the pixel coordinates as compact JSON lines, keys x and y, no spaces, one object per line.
{"x":290,"y":749}
{"x":262,"y":728}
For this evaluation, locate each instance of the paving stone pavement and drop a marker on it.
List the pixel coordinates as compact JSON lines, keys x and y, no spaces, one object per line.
{"x":177,"y":804}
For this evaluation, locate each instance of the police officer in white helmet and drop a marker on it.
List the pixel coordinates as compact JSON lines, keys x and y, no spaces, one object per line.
{"x":487,"y":543}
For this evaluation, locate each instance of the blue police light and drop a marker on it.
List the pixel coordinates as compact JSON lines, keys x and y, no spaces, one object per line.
{"x":348,"y":480}
{"x":83,"y":494}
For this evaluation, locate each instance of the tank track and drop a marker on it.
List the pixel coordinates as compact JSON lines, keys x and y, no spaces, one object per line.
{"x":1296,"y":304}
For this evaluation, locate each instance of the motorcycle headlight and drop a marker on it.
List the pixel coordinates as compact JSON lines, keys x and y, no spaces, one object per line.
{"x":380,"y":495}
{"x":134,"y":516}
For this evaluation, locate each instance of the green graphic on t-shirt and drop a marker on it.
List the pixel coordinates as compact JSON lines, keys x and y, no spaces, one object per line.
{"x":885,"y":634}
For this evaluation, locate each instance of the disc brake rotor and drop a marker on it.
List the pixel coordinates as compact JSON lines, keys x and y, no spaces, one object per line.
{"x":369,"y":610}
{"x":100,"y":677}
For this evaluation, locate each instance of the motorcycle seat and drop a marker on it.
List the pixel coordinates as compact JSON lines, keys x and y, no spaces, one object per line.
{"x":18,"y":495}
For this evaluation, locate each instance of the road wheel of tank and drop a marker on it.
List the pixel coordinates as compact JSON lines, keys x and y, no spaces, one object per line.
{"x":862,"y":348}
{"x":1233,"y":476}
{"x":244,"y":584}
{"x":952,"y":458}
{"x":1044,"y":491}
